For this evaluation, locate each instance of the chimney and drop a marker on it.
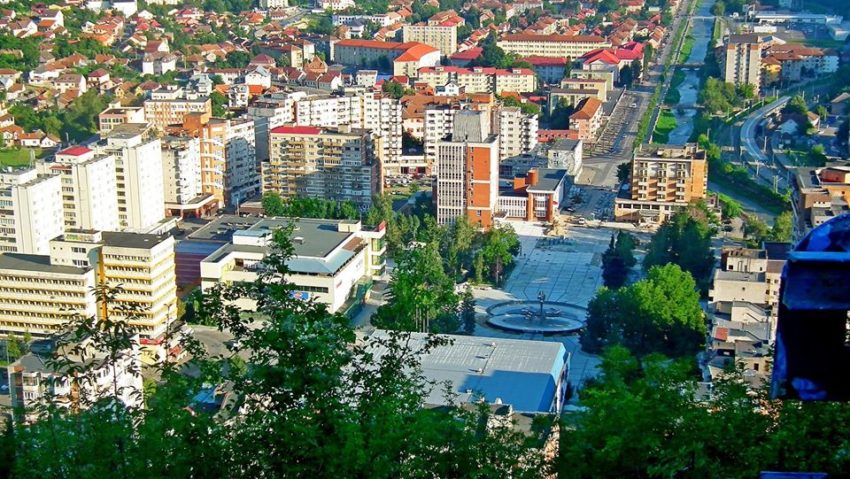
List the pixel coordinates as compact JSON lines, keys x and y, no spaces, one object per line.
{"x":533,"y":177}
{"x":519,"y":183}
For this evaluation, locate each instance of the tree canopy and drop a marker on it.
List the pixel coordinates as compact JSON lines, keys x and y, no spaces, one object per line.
{"x":274,"y":205}
{"x":684,"y":239}
{"x":618,"y":259}
{"x":659,"y":314}
{"x":312,"y":400}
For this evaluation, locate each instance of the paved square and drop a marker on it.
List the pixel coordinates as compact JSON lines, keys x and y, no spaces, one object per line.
{"x":567,"y":270}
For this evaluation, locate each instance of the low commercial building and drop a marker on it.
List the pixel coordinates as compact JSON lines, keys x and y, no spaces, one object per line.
{"x":530,"y":376}
{"x":819,"y":195}
{"x":333,"y":262}
{"x":537,"y":196}
{"x":664,"y":178}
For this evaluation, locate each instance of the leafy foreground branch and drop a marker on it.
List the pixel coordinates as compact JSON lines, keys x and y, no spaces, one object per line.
{"x":313,"y":401}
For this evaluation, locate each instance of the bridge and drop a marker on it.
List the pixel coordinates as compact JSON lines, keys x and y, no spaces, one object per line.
{"x":690,"y":66}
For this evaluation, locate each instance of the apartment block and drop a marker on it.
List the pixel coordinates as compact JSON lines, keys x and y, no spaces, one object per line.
{"x":89,"y":188}
{"x":333,"y":261}
{"x":741,"y":60}
{"x":228,"y":159}
{"x":441,"y":37}
{"x":168,"y":106}
{"x":587,"y":119}
{"x":664,"y":178}
{"x":142,"y":265}
{"x":181,"y":176}
{"x":30,"y":211}
{"x":358,"y":108}
{"x":566,"y":154}
{"x":468,"y":171}
{"x":330,"y":163}
{"x":117,"y":115}
{"x":572,"y":46}
{"x":517,"y":131}
{"x":271,"y":111}
{"x":138,"y":175}
{"x":481,"y":79}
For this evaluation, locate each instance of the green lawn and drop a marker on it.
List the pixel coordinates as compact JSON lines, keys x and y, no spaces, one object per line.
{"x":17,"y":156}
{"x":687,"y":47}
{"x":666,"y":124}
{"x":672,"y":97}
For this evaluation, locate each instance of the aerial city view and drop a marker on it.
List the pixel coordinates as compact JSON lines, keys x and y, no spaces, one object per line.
{"x":424,"y":239}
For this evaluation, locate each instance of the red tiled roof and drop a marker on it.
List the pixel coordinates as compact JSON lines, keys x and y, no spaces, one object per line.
{"x":415,"y":52}
{"x":75,"y":151}
{"x":470,"y":54}
{"x":297,"y":130}
{"x":600,"y":54}
{"x":588,"y":108}
{"x":369,"y":44}
{"x":721,"y":334}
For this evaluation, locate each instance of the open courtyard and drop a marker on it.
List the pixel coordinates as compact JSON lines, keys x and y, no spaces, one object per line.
{"x":566,"y":270}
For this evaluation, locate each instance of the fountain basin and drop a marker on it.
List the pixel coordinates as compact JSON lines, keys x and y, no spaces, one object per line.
{"x":524,"y":317}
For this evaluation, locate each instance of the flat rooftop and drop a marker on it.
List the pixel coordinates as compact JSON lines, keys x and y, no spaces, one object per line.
{"x":521,"y":373}
{"x":548,"y":180}
{"x":37,"y":263}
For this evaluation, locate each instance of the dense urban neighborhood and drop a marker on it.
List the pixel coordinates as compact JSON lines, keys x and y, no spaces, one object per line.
{"x":424,"y":238}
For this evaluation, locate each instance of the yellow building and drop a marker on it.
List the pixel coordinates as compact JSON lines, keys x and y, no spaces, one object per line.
{"x":664,"y":178}
{"x":481,"y":79}
{"x":40,"y":293}
{"x":330,"y":163}
{"x":443,"y":38}
{"x":571,"y":46}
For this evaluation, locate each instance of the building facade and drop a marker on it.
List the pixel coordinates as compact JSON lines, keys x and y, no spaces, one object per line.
{"x":312,"y":162}
{"x":664,"y":179}
{"x":30,"y":211}
{"x":468,"y":171}
{"x":741,"y":60}
{"x":571,"y":46}
{"x":333,"y":260}
{"x":441,"y":37}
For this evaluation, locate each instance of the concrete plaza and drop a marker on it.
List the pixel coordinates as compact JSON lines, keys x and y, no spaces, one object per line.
{"x":566,"y":270}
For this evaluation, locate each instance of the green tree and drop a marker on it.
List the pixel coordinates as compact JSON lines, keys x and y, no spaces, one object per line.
{"x":501,"y":244}
{"x":423,"y":296}
{"x":797,"y":105}
{"x":660,"y":314}
{"x":219,"y":104}
{"x":467,"y":311}
{"x":730,"y":208}
{"x":393,"y":88}
{"x":719,"y":8}
{"x":755,"y":229}
{"x":783,"y":227}
{"x":624,"y":171}
{"x":273,"y":204}
{"x":618,"y":259}
{"x":528,"y":107}
{"x":684,"y":239}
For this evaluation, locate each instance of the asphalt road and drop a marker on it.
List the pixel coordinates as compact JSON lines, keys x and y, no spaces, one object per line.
{"x":748,"y":130}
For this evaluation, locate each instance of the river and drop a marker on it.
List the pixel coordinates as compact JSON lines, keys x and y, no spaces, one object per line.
{"x":702,"y":29}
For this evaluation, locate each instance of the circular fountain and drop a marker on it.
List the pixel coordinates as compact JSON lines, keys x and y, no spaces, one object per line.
{"x":540,"y":317}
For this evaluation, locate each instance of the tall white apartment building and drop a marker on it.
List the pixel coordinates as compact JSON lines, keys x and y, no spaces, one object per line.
{"x":359,"y":109}
{"x":243,"y":175}
{"x":138,"y":175}
{"x":89,"y":189}
{"x":517,"y":131}
{"x":269,"y":112}
{"x":30,"y":211}
{"x":741,"y":60}
{"x":181,"y":168}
